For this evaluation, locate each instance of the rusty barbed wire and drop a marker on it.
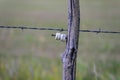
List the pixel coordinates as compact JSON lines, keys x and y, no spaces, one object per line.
{"x":59,"y":29}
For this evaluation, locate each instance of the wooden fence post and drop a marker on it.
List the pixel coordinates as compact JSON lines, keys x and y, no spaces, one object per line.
{"x":70,"y":54}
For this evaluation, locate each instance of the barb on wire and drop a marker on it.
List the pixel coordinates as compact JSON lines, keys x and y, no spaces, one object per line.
{"x":59,"y":29}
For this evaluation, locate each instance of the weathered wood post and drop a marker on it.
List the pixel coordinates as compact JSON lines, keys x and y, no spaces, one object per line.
{"x":70,"y":54}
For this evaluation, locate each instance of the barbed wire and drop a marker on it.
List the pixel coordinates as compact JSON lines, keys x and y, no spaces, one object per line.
{"x":59,"y":29}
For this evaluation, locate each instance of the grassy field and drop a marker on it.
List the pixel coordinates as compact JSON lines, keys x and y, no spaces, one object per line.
{"x":35,"y":55}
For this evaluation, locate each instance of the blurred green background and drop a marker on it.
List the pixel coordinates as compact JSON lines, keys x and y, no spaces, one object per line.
{"x":35,"y":55}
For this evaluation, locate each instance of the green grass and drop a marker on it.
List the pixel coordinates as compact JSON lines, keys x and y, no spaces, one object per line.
{"x":38,"y":68}
{"x":29,"y":68}
{"x":22,"y":46}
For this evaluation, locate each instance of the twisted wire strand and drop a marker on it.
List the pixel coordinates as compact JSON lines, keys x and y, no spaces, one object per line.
{"x":59,"y":29}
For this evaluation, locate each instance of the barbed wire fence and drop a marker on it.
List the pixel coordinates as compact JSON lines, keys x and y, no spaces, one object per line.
{"x":59,"y":29}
